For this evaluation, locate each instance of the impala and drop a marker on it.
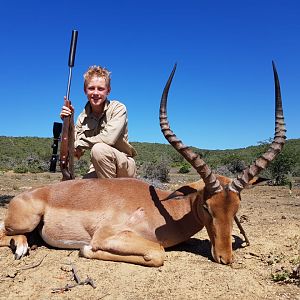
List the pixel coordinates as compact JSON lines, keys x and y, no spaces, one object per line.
{"x":128,"y":220}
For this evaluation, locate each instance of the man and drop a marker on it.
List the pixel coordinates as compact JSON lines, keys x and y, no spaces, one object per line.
{"x":102,"y":127}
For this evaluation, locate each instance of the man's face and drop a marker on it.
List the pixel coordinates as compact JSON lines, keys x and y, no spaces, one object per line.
{"x":97,"y":90}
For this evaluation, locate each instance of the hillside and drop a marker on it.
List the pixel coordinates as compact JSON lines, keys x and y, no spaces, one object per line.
{"x":23,"y":154}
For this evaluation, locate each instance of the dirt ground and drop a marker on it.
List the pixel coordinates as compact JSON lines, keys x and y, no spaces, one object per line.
{"x":271,"y":219}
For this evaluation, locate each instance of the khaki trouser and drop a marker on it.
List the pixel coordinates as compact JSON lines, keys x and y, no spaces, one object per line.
{"x":108,"y":162}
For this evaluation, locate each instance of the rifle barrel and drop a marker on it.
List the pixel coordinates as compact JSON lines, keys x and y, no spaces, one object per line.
{"x":71,"y":59}
{"x":69,"y":83}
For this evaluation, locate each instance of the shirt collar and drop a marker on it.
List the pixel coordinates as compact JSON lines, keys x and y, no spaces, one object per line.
{"x":88,"y":109}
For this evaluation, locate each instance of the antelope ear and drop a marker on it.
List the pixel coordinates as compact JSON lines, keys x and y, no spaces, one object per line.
{"x":257,"y":180}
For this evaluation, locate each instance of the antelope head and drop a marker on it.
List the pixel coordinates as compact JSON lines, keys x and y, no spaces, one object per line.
{"x":219,"y":200}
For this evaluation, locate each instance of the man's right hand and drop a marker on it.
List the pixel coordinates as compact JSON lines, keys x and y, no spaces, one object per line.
{"x":66,"y":111}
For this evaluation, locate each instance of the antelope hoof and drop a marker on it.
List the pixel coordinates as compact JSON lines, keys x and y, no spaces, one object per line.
{"x":20,"y":248}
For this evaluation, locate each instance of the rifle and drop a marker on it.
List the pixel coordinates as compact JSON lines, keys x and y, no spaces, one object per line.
{"x":67,"y":141}
{"x":57,"y":127}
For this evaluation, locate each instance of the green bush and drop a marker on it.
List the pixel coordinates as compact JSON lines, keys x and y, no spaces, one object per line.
{"x":21,"y":169}
{"x":281,"y":276}
{"x":281,"y":167}
{"x":81,"y":166}
{"x":32,"y":164}
{"x":156,"y":171}
{"x":184,"y":169}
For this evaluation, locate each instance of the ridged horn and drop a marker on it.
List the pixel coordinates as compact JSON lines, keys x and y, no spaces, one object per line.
{"x":275,"y":148}
{"x":212,"y":184}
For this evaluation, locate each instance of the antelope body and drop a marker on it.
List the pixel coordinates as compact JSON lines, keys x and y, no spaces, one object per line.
{"x":129,"y":220}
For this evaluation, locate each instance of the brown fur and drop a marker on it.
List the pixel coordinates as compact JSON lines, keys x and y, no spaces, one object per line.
{"x":122,"y":219}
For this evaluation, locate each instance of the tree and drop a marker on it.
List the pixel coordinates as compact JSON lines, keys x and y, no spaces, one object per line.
{"x":281,"y":167}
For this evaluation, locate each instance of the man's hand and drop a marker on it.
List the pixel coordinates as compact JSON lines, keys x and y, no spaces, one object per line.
{"x":66,"y":111}
{"x":78,"y":153}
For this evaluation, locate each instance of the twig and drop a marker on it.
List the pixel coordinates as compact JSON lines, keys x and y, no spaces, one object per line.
{"x":75,"y":275}
{"x":68,"y":287}
{"x":34,"y":265}
{"x":104,"y":296}
{"x":90,"y":281}
{"x":70,"y":252}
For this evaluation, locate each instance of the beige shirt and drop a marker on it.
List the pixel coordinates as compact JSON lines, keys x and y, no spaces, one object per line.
{"x":110,"y":128}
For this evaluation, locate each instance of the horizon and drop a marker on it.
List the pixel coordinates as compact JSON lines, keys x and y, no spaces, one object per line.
{"x":160,"y":143}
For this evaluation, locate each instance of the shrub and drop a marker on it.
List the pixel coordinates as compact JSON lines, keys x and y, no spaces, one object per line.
{"x":224,"y":170}
{"x":156,"y":171}
{"x":281,"y":276}
{"x":81,"y":166}
{"x":234,"y":162}
{"x":32,"y":164}
{"x":20,"y":169}
{"x":184,"y":169}
{"x":236,"y":166}
{"x":281,"y":167}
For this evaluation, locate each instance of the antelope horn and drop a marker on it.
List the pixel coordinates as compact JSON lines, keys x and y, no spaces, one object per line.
{"x":275,"y":148}
{"x":212,"y":184}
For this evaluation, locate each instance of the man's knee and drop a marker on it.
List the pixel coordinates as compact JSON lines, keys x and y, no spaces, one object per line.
{"x":110,"y":162}
{"x":126,"y":167}
{"x":101,"y":151}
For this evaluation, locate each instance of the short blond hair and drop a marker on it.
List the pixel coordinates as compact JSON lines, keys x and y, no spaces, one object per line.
{"x":96,"y":71}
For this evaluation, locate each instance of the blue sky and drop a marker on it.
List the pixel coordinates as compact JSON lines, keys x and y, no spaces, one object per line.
{"x":222,"y":96}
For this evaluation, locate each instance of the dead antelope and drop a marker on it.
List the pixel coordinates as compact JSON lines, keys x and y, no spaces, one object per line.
{"x":128,"y":220}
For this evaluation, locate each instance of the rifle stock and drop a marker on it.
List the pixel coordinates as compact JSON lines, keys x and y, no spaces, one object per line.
{"x":67,"y":142}
{"x":67,"y":147}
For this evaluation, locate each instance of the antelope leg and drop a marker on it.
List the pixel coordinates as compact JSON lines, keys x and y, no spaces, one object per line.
{"x":126,"y":246}
{"x":242,"y":231}
{"x":18,"y":243}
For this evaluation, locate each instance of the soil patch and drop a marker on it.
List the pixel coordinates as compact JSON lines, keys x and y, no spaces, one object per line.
{"x":271,"y":219}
